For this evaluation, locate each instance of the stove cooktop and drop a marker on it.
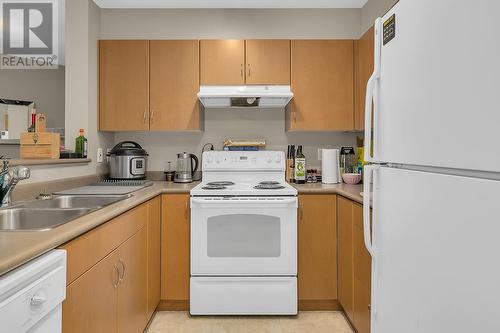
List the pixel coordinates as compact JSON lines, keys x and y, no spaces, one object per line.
{"x":265,"y":188}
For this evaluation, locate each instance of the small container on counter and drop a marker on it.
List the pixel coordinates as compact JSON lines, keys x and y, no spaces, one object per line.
{"x":169,"y":173}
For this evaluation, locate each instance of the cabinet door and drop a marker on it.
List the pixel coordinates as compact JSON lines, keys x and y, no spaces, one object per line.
{"x":154,"y":248}
{"x":222,"y":62}
{"x":174,"y":83}
{"x":90,"y":304}
{"x":132,"y":291}
{"x":175,"y":251}
{"x":322,"y":81}
{"x":362,"y":274}
{"x":345,"y":230}
{"x":267,"y":61}
{"x":123,"y":85}
{"x":364,"y":50}
{"x":317,"y":238}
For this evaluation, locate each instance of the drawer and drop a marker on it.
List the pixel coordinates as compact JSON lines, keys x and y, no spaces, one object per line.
{"x":243,"y":296}
{"x":88,"y":249}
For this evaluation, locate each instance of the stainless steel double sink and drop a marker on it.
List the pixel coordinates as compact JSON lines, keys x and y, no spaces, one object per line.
{"x":39,"y":215}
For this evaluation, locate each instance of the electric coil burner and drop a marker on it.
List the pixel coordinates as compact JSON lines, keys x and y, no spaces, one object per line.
{"x":243,"y":236}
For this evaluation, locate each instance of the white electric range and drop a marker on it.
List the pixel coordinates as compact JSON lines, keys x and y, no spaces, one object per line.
{"x":243,"y":236}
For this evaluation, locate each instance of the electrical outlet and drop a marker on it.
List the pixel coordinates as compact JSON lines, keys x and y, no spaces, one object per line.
{"x":99,"y":155}
{"x":319,"y":154}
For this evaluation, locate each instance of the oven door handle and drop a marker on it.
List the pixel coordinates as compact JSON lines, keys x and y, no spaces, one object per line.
{"x":238,"y":201}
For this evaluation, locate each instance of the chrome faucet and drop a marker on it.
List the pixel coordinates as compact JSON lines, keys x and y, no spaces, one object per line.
{"x":9,"y":179}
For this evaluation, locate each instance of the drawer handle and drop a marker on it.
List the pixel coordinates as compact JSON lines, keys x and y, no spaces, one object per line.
{"x":37,"y":300}
{"x":117,"y":283}
{"x":122,"y":273}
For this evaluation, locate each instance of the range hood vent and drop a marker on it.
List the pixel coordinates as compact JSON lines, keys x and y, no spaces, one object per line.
{"x":264,"y":97}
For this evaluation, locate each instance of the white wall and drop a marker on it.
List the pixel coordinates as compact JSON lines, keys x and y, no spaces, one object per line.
{"x":82,"y":33}
{"x":372,"y":10}
{"x":230,"y":23}
{"x":44,"y":87}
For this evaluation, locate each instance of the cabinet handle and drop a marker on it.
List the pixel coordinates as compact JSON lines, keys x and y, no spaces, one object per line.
{"x":115,"y":285}
{"x":122,"y":273}
{"x":369,"y":307}
{"x":241,"y":70}
{"x":145,"y":116}
{"x":249,"y":72}
{"x":151,"y":116}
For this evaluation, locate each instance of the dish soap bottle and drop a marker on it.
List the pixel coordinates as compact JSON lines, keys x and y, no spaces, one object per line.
{"x":300,"y":167}
{"x":81,"y":145}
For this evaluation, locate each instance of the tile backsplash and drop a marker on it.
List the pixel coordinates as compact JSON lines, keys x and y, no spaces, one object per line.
{"x":235,"y":123}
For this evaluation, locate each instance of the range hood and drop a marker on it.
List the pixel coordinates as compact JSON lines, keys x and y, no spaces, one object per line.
{"x":264,"y":97}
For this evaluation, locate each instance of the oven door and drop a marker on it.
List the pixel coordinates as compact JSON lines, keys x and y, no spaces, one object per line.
{"x":244,"y":236}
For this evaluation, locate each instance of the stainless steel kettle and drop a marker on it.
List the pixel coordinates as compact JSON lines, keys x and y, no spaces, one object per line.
{"x":185,"y":167}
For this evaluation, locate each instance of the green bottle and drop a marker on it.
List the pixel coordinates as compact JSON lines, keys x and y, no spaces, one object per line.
{"x":81,"y":145}
{"x":300,"y":167}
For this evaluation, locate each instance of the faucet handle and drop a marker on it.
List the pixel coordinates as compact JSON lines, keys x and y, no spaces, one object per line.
{"x":22,"y":172}
{"x":5,"y":163}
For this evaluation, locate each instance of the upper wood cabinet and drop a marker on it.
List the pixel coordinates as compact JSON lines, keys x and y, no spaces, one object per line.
{"x":267,"y":61}
{"x":322,"y":80}
{"x":317,"y":252}
{"x":174,"y":83}
{"x":222,"y":61}
{"x":239,"y":62}
{"x":363,"y":55}
{"x":175,"y":271}
{"x":123,"y":85}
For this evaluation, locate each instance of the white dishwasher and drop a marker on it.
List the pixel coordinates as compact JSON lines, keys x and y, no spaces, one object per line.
{"x":31,"y":296}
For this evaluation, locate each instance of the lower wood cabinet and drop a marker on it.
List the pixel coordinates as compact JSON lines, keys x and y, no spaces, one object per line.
{"x":110,"y":290}
{"x":354,"y":265}
{"x":132,"y":291}
{"x":175,"y":266}
{"x":91,"y":300}
{"x":154,"y":253}
{"x":317,"y":252}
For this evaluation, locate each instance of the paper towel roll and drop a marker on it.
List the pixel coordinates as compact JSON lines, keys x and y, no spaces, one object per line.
{"x":330,"y":166}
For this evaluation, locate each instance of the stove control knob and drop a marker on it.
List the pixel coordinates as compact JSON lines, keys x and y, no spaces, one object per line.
{"x":218,"y":159}
{"x":209,"y":159}
{"x":269,"y":159}
{"x":277,"y":159}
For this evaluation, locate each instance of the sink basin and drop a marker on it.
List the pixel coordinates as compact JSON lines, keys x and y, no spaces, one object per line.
{"x":50,"y":213}
{"x":75,"y":201}
{"x":23,"y":219}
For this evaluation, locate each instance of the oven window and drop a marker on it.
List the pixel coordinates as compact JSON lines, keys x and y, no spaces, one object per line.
{"x":243,"y":235}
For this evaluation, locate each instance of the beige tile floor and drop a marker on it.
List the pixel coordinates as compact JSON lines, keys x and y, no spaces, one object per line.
{"x":305,"y":322}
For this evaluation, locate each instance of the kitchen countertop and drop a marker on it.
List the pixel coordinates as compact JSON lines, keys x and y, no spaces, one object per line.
{"x":19,"y":247}
{"x":352,"y":192}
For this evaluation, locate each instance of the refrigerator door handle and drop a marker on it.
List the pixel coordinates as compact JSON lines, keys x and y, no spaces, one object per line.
{"x":370,"y":87}
{"x":366,"y":207}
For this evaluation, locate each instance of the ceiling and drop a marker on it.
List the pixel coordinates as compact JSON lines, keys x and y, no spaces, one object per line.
{"x":230,"y":3}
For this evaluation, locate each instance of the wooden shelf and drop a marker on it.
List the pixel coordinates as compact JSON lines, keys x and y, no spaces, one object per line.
{"x":15,"y":162}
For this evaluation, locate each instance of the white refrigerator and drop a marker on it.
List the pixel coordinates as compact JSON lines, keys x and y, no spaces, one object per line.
{"x":434,"y":181}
